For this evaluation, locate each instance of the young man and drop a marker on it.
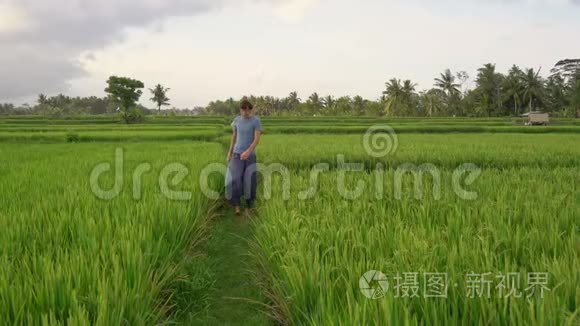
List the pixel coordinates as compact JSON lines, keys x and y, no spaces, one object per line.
{"x":247,"y":129}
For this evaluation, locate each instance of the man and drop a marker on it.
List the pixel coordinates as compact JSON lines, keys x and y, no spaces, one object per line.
{"x":247,"y":129}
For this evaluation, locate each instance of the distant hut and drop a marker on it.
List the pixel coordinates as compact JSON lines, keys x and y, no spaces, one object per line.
{"x":536,"y":118}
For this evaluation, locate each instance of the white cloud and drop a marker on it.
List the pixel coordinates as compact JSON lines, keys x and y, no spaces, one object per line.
{"x":271,"y":47}
{"x":13,"y":19}
{"x":293,"y":11}
{"x":33,"y":29}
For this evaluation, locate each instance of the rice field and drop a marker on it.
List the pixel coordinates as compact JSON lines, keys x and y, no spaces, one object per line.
{"x":443,"y":150}
{"x":70,"y":257}
{"x":524,"y":220}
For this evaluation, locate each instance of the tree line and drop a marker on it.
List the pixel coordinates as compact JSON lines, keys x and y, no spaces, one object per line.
{"x":123,"y":95}
{"x":495,"y":94}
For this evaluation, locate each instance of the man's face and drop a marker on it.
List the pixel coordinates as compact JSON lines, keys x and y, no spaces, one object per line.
{"x":245,"y":112}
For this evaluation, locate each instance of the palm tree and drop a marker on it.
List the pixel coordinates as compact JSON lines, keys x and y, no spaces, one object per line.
{"x":574,"y":98}
{"x":408,"y":89}
{"x":314,"y":103}
{"x":268,"y":104}
{"x":394,"y":93}
{"x":314,"y":99}
{"x":293,"y":101}
{"x":432,"y":101}
{"x":463,"y":77}
{"x":447,"y":83}
{"x":358,"y":103}
{"x":42,"y":99}
{"x":489,"y":87}
{"x":556,"y":92}
{"x":231,"y":106}
{"x":532,"y":86}
{"x":399,"y":95}
{"x":343,"y":105}
{"x":513,"y":88}
{"x":294,"y":96}
{"x":408,"y":94}
{"x":159,"y":96}
{"x":329,"y":102}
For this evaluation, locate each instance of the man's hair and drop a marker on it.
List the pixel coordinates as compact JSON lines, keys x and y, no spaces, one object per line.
{"x":245,"y":104}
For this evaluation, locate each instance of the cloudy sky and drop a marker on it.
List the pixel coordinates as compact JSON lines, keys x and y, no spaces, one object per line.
{"x":210,"y":49}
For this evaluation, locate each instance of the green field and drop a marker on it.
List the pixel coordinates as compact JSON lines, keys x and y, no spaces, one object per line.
{"x":69,"y":257}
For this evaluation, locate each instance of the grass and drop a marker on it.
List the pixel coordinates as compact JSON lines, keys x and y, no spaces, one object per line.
{"x":428,"y":129}
{"x":106,"y":119}
{"x":110,"y":136}
{"x":524,"y":220}
{"x":444,"y":150}
{"x":235,"y":298}
{"x":69,"y":257}
{"x":107,"y":127}
{"x":34,"y":129}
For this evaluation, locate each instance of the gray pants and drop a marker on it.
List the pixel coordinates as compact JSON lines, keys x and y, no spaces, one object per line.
{"x":241,"y":179}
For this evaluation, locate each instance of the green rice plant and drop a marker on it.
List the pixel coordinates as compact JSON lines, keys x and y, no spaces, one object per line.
{"x":468,"y":128}
{"x":112,"y":136}
{"x":444,"y":150}
{"x":72,"y":137}
{"x":68,"y":257}
{"x":107,"y":119}
{"x":347,"y":120}
{"x":313,"y":252}
{"x":117,"y":127}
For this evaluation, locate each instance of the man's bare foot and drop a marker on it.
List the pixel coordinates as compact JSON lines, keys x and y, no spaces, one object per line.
{"x":237,"y":210}
{"x":248,"y":212}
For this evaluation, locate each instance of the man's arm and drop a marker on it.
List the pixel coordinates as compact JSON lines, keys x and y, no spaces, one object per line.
{"x":232,"y":142}
{"x":252,"y":147}
{"x":256,"y":141}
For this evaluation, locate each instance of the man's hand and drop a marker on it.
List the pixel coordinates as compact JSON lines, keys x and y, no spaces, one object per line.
{"x":244,"y":156}
{"x":230,"y":155}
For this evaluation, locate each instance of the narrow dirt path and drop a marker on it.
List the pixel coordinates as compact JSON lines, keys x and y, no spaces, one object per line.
{"x":235,"y":298}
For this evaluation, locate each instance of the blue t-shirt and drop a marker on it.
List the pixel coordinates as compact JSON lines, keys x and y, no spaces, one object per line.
{"x":245,"y":129}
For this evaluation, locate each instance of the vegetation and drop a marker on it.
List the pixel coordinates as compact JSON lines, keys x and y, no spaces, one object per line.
{"x":126,"y":92}
{"x":495,"y":95}
{"x":315,"y":250}
{"x":68,"y":257}
{"x":493,"y":151}
{"x":159,"y":96}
